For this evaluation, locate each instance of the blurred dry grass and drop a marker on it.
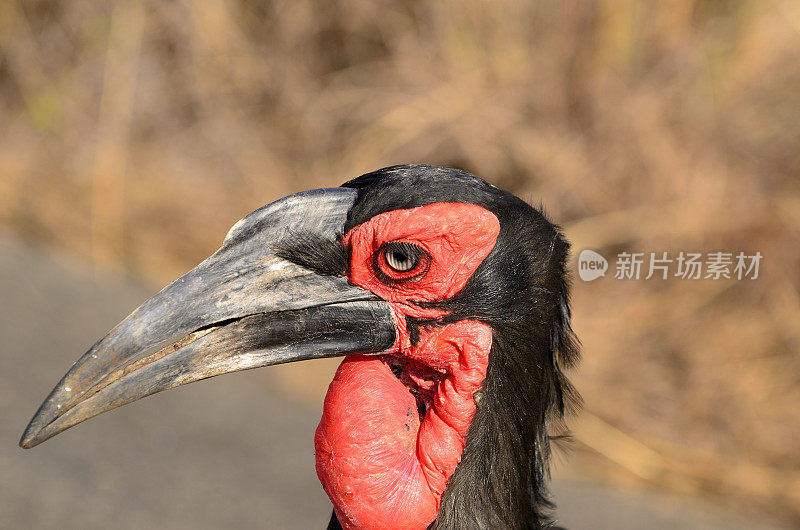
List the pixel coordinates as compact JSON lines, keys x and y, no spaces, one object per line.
{"x":135,"y":133}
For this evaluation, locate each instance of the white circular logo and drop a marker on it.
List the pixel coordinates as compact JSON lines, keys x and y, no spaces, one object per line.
{"x":591,"y":265}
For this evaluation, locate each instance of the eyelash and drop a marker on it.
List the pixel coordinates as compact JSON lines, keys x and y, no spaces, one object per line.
{"x":388,"y":275}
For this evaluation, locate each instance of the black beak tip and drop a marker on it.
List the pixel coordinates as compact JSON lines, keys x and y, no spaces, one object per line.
{"x":28,"y":439}
{"x":37,"y":432}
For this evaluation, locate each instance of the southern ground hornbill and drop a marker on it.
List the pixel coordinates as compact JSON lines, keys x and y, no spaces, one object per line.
{"x":448,"y":298}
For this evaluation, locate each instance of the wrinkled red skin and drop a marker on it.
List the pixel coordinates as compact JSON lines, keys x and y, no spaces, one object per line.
{"x":381,"y":466}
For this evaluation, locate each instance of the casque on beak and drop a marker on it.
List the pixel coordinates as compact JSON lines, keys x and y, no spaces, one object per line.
{"x":243,"y":307}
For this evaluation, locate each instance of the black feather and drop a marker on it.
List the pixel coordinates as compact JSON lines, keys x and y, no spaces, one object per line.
{"x":314,"y":252}
{"x":334,"y":523}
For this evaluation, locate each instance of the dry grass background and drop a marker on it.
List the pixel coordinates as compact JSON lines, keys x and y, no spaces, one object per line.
{"x":134,"y":133}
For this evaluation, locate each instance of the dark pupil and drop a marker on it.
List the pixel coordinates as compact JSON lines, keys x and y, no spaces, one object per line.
{"x":400,"y":259}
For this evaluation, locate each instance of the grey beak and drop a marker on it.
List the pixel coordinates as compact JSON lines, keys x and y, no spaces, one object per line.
{"x":243,"y":307}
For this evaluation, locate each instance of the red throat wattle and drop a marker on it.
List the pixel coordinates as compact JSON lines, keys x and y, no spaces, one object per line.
{"x":393,"y":427}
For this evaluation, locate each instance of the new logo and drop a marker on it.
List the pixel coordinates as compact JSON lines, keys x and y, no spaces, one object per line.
{"x":591,"y":265}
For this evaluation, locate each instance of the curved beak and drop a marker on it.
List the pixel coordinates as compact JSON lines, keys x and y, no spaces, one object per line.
{"x":248,"y":305}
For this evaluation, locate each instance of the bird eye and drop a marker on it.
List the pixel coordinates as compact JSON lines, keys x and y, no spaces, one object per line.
{"x":402,"y":258}
{"x":400,"y":261}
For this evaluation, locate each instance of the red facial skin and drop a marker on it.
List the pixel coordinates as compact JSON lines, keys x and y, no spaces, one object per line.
{"x":381,"y":466}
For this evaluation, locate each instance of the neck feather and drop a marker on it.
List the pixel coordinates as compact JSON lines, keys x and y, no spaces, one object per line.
{"x":501,"y":481}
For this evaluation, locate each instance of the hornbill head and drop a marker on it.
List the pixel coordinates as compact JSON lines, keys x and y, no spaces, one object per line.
{"x":448,"y":298}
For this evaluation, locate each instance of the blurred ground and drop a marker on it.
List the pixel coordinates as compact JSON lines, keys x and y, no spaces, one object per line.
{"x":193,"y":457}
{"x":134,"y":133}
